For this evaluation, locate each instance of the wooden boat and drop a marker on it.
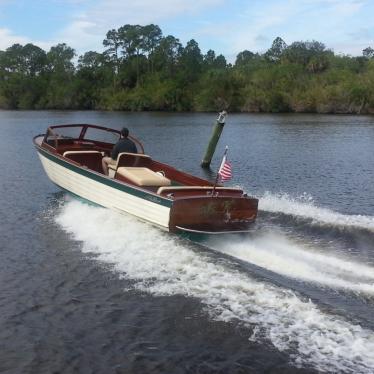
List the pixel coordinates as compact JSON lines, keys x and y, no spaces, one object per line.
{"x":148,"y":189}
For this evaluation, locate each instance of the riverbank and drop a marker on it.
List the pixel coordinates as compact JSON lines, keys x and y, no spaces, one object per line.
{"x":303,"y":77}
{"x":351,"y":111}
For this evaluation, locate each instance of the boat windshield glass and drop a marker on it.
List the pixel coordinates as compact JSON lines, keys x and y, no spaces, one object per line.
{"x":65,"y":132}
{"x":54,"y":136}
{"x":100,"y":135}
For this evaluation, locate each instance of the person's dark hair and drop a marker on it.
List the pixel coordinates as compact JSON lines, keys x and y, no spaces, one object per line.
{"x":125,"y":132}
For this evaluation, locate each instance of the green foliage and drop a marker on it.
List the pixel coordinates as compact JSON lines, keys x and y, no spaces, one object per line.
{"x":276,"y":51}
{"x":368,"y":52}
{"x":218,"y":90}
{"x":140,"y":69}
{"x":190,"y":62}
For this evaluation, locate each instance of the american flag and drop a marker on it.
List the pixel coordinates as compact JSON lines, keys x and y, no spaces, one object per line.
{"x":224,"y":172}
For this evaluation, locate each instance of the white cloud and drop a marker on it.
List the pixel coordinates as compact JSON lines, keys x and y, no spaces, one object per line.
{"x":323,"y":20}
{"x":248,"y":24}
{"x":88,"y":29}
{"x":7,"y":38}
{"x":257,"y":22}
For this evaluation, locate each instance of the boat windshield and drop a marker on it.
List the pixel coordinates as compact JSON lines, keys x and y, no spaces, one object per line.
{"x":62,"y":133}
{"x":95,"y":134}
{"x":65,"y":134}
{"x":57,"y":135}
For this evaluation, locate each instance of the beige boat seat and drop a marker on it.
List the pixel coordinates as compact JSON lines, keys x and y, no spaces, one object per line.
{"x":129,"y":160}
{"x":141,"y":176}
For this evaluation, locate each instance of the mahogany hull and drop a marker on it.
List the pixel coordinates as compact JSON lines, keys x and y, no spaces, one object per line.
{"x":213,"y":214}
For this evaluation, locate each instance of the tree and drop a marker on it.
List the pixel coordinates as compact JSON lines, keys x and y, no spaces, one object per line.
{"x":93,"y":75}
{"x":312,"y":55}
{"x":368,"y":52}
{"x":60,"y":77}
{"x":59,"y":59}
{"x":210,"y":61}
{"x":220,"y":62}
{"x":142,"y":70}
{"x":112,"y":43}
{"x":209,"y":58}
{"x":274,"y":53}
{"x":28,"y":59}
{"x":152,"y":35}
{"x":34,"y":59}
{"x":22,"y":68}
{"x":167,"y":54}
{"x":191,"y":61}
{"x":243,"y":58}
{"x":133,"y":43}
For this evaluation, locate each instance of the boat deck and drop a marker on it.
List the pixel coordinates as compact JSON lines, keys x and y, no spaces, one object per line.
{"x":89,"y":154}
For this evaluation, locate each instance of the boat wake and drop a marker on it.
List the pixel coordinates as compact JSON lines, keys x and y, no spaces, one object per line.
{"x":304,"y":207}
{"x":278,"y":253}
{"x":162,"y":264}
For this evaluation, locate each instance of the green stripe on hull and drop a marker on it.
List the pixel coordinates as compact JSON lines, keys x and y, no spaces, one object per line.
{"x":104,"y":180}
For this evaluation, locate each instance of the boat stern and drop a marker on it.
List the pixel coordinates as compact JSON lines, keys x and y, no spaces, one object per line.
{"x":213,"y":215}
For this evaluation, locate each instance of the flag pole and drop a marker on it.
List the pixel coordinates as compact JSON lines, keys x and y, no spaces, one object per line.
{"x":217,"y":177}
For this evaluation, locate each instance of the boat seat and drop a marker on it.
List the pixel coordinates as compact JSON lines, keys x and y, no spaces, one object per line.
{"x":90,"y":159}
{"x":129,"y":159}
{"x":141,"y":176}
{"x":169,"y":189}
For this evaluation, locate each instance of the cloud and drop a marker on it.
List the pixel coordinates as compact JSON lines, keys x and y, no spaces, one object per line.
{"x":88,"y":28}
{"x":362,"y":33}
{"x":261,"y":38}
{"x":145,"y":11}
{"x":7,"y":39}
{"x":91,"y":19}
{"x":323,"y":20}
{"x":228,"y":27}
{"x":255,"y":22}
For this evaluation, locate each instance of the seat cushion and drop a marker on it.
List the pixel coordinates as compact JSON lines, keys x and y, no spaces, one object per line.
{"x":143,"y":176}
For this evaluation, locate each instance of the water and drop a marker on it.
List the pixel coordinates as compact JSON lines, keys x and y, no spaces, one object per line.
{"x":84,"y":289}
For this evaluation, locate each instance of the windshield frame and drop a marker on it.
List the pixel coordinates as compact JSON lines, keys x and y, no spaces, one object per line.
{"x":52,"y":131}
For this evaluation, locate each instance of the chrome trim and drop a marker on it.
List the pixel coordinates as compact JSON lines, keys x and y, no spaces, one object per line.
{"x":211,"y":232}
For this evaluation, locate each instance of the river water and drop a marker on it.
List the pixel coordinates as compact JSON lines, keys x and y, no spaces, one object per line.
{"x":87,"y":290}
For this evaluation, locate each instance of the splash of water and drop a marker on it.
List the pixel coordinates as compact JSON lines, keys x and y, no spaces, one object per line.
{"x":304,"y":207}
{"x":163,"y":265}
{"x":275,"y":252}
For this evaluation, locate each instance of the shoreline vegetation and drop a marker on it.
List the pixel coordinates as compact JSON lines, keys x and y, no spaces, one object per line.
{"x":142,"y":70}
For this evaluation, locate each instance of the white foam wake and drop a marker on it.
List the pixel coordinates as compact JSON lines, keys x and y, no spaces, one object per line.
{"x":304,"y":207}
{"x":163,"y":265}
{"x":277,"y":253}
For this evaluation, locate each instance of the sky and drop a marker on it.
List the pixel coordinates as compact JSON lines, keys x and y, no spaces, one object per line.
{"x":226,"y":26}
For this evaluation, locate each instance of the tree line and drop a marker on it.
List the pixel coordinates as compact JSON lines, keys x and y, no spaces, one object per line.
{"x":140,"y":69}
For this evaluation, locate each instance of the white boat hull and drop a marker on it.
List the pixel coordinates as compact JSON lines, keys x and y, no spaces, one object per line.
{"x":105,"y":195}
